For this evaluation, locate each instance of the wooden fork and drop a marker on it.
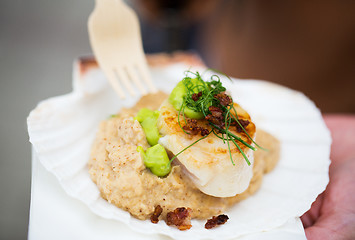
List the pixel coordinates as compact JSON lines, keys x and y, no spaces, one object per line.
{"x":115,"y":38}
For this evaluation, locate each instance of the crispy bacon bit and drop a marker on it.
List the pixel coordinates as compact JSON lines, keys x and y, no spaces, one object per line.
{"x":193,"y":129}
{"x":224,"y":99}
{"x":180,"y":217}
{"x":216,"y":111}
{"x":196,"y":96}
{"x":216,"y":116}
{"x":155,"y":216}
{"x":192,"y":122}
{"x":242,"y":122}
{"x":214,"y":221}
{"x":204,"y":132}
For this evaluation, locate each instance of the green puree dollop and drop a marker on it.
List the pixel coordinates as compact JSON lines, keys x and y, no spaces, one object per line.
{"x":177,"y":96}
{"x":155,"y":158}
{"x":148,"y":120}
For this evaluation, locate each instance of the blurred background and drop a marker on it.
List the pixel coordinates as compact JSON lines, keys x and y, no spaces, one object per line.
{"x":307,"y":45}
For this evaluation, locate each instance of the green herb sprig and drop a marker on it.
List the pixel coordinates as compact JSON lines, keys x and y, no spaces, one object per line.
{"x":207,"y":98}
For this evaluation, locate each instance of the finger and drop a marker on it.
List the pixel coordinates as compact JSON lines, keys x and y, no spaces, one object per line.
{"x":337,"y":225}
{"x":311,"y":216}
{"x":319,"y":233}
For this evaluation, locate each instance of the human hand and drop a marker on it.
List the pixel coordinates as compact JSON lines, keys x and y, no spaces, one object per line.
{"x":332,"y":215}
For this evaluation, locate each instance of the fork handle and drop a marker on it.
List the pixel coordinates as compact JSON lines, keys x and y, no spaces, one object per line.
{"x":106,"y":2}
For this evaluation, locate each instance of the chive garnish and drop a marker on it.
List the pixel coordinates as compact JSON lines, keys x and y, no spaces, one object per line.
{"x":209,"y":90}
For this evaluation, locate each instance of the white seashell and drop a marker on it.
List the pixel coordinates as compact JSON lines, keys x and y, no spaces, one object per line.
{"x":62,"y":129}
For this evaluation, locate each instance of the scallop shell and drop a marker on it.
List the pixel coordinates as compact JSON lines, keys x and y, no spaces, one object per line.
{"x":62,"y":130}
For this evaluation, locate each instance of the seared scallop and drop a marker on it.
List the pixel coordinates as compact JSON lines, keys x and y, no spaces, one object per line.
{"x":208,"y":162}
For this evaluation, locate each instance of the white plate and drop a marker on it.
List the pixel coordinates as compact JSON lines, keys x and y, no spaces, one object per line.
{"x":62,"y":130}
{"x":55,"y":215}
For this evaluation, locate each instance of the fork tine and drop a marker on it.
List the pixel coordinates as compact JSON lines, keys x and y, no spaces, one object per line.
{"x":111,"y":76}
{"x":144,"y":72}
{"x":133,"y":75}
{"x":124,"y":78}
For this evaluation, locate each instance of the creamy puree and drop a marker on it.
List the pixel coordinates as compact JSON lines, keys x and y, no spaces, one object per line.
{"x":119,"y":172}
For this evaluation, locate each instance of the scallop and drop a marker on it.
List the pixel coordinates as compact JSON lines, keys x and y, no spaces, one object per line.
{"x":208,"y":162}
